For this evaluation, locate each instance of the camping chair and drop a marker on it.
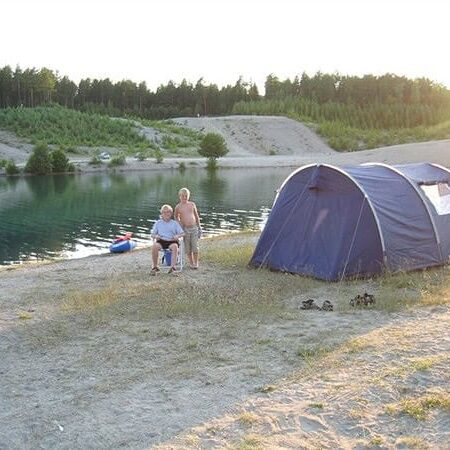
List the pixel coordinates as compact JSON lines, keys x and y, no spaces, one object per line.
{"x":165,"y":258}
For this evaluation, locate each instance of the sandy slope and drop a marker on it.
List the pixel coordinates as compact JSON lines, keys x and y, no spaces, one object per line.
{"x":260,"y":141}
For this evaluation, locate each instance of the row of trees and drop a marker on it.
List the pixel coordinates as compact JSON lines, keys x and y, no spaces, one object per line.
{"x":361,"y":91}
{"x":32,"y":87}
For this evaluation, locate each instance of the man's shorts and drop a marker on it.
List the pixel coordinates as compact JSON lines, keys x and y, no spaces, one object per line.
{"x":166,"y":244}
{"x":191,"y":239}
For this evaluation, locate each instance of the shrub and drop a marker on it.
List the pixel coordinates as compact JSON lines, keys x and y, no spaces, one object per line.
{"x":118,"y":160}
{"x":60,"y":162}
{"x":95,"y":161}
{"x":213,"y":146}
{"x":159,"y":156}
{"x":11,"y":168}
{"x":39,"y":163}
{"x":181,"y":166}
{"x":3,"y":163}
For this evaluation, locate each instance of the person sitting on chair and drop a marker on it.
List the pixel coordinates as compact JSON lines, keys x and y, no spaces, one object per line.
{"x":166,"y":232}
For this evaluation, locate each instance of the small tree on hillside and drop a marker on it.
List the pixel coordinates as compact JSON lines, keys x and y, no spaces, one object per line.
{"x":213,"y":146}
{"x":60,"y":161}
{"x":11,"y":168}
{"x":39,"y":162}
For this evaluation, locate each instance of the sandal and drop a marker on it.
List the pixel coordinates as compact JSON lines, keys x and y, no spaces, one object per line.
{"x":154,"y":271}
{"x":173,"y":271}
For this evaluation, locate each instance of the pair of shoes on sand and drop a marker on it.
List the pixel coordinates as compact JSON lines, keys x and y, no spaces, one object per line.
{"x":363,"y":300}
{"x":156,"y":270}
{"x":309,"y":304}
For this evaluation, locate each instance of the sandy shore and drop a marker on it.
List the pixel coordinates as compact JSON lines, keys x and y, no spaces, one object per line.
{"x":95,"y":353}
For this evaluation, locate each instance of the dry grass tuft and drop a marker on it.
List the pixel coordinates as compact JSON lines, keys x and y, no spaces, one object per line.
{"x":248,"y":418}
{"x":419,"y":407}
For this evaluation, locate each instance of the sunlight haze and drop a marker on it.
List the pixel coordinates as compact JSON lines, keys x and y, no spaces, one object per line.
{"x":158,"y":41}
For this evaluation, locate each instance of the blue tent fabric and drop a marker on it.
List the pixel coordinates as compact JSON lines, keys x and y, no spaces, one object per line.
{"x":331,"y":222}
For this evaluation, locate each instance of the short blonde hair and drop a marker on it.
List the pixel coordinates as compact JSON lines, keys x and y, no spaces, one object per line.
{"x":184,"y":191}
{"x":166,"y":207}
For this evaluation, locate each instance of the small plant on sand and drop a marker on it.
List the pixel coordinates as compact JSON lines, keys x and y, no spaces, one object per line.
{"x":376,"y":441}
{"x":24,"y":315}
{"x":95,"y":161}
{"x":250,"y":442}
{"x":419,"y":407}
{"x":412,"y":442}
{"x":158,"y":156}
{"x":11,"y":168}
{"x":212,"y":147}
{"x":266,"y":389}
{"x":118,"y":160}
{"x":248,"y":418}
{"x":316,"y":405}
{"x":141,"y":156}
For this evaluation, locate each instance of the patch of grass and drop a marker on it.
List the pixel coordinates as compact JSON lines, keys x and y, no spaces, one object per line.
{"x":376,"y":441}
{"x":405,"y":289}
{"x":24,"y":315}
{"x":192,"y":440}
{"x":310,"y":353}
{"x":247,"y":418}
{"x":70,"y":128}
{"x":250,"y":442}
{"x":230,"y":256}
{"x":357,"y":345}
{"x":266,"y":389}
{"x":419,"y":407}
{"x":316,"y":405}
{"x":415,"y":442}
{"x":420,"y":364}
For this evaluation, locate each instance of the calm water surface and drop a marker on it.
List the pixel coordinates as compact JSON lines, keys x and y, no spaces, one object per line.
{"x":79,"y":215}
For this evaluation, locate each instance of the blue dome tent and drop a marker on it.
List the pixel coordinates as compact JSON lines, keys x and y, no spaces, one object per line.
{"x":331,"y":222}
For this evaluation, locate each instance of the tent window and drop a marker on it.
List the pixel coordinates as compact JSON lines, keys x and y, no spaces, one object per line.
{"x":439,"y":196}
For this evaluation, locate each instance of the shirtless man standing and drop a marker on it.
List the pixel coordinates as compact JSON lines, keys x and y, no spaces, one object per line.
{"x":186,"y":213}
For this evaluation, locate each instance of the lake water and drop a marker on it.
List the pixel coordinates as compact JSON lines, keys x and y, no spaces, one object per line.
{"x":79,"y":215}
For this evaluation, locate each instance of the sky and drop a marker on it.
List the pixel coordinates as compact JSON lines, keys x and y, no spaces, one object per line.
{"x":221,"y":40}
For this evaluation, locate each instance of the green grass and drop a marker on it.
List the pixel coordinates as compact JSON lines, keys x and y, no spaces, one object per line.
{"x":175,"y":139}
{"x":69,"y":128}
{"x":419,"y":407}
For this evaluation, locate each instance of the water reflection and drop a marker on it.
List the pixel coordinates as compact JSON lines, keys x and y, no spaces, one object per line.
{"x":74,"y":216}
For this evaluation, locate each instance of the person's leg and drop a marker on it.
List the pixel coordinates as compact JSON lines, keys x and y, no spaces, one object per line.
{"x":188,"y":246}
{"x":174,"y":249}
{"x":155,"y":253}
{"x":195,"y":259}
{"x":194,"y":249}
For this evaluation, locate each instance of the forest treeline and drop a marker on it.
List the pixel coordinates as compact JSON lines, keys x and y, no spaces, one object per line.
{"x":370,"y":101}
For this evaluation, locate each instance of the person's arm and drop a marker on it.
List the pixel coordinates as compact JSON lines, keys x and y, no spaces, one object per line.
{"x":176,"y":213}
{"x":197,"y":217}
{"x":179,"y":231}
{"x":154,"y":232}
